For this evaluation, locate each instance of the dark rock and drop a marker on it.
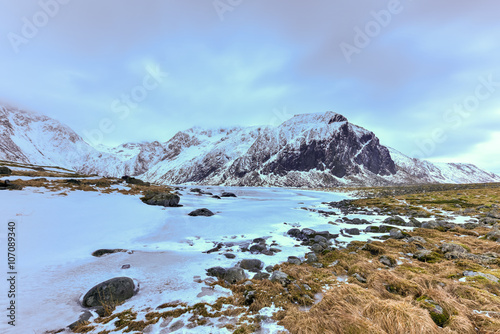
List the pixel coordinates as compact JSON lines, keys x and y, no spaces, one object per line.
{"x":218,"y":272}
{"x":308,"y":233}
{"x":396,"y":234}
{"x":259,"y":241}
{"x":165,"y":199}
{"x":195,"y":190}
{"x":133,"y":180}
{"x":73,"y":181}
{"x":110,"y":292}
{"x":249,"y":297}
{"x":215,"y":249}
{"x":352,"y":231}
{"x":7,"y":185}
{"x":269,"y":269}
{"x":234,"y":275}
{"x":396,"y":220}
{"x":5,"y":171}
{"x":274,"y":250}
{"x":280,"y":277}
{"x":126,"y":266}
{"x":216,"y":196}
{"x":258,"y":249}
{"x":102,"y":252}
{"x":294,"y":232}
{"x":227,"y":194}
{"x":294,"y":260}
{"x":229,"y":255}
{"x":201,"y":212}
{"x":261,"y":276}
{"x":388,"y":261}
{"x":82,"y":321}
{"x":311,"y":258}
{"x":317,"y":248}
{"x":252,"y":265}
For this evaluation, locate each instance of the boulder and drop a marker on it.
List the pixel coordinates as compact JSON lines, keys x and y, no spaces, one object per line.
{"x":294,"y":260}
{"x":227,"y":194}
{"x":352,"y":231}
{"x":133,"y":180}
{"x":280,"y":277}
{"x":234,"y":275}
{"x":449,"y":248}
{"x":396,"y":234}
{"x":201,"y":212}
{"x":261,"y":276}
{"x":5,"y":170}
{"x":252,"y":265}
{"x":396,"y":220}
{"x":229,"y":255}
{"x":110,"y":292}
{"x":165,"y":199}
{"x":388,"y":261}
{"x":218,"y":272}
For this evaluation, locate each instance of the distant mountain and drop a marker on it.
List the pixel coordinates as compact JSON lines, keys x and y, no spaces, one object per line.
{"x":309,"y":150}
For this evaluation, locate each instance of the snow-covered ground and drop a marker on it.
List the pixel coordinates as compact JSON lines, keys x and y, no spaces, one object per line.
{"x":57,"y":234}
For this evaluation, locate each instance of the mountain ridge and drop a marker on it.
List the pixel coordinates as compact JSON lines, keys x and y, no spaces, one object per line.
{"x":308,"y":150}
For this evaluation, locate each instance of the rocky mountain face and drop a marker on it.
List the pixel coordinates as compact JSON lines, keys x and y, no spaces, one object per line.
{"x":309,"y":150}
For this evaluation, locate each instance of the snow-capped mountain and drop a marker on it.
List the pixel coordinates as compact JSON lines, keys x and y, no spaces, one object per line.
{"x":309,"y":150}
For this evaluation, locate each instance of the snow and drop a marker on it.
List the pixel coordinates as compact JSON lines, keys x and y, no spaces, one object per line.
{"x":58,"y":234}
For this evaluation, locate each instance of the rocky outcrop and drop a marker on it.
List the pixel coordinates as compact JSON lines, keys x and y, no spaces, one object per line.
{"x":110,"y":293}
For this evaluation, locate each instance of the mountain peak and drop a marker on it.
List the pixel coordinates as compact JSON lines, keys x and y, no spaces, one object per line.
{"x":327,"y":117}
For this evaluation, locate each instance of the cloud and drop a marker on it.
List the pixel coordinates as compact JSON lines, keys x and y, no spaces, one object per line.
{"x":261,"y":57}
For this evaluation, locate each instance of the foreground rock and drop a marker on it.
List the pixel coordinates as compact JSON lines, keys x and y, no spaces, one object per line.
{"x":201,"y":212}
{"x":231,"y":275}
{"x":165,"y":199}
{"x":110,"y":293}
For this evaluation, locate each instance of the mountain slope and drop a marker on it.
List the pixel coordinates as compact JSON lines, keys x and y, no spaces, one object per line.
{"x":309,"y":150}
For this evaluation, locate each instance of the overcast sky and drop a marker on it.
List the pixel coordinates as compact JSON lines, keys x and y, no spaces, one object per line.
{"x":423,"y":75}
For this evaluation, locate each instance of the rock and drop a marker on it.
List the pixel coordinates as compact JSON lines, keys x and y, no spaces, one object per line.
{"x":195,"y":190}
{"x":449,"y":248}
{"x":9,"y":185}
{"x":249,"y":297}
{"x":388,"y":261}
{"x":437,"y":313}
{"x":317,"y":265}
{"x":311,"y":258}
{"x":425,"y":256}
{"x":102,"y":252}
{"x":259,"y":241}
{"x":261,"y":276}
{"x":360,"y":278}
{"x":110,"y":292}
{"x":216,"y":197}
{"x":417,"y":239}
{"x":74,"y":181}
{"x":294,"y":232}
{"x":234,"y":275}
{"x":5,"y":170}
{"x":280,"y":277}
{"x":319,"y":238}
{"x":126,"y":266}
{"x":396,"y":220}
{"x":372,"y":229}
{"x":396,"y":234}
{"x":317,"y":248}
{"x":218,"y":272}
{"x":487,"y":276}
{"x":227,"y":194}
{"x":294,"y":260}
{"x":252,"y":265}
{"x":201,"y":212}
{"x":215,"y":249}
{"x":308,"y":233}
{"x":494,"y":235}
{"x":352,"y":231}
{"x":82,"y":321}
{"x":258,"y":249}
{"x":165,"y":199}
{"x":133,"y":180}
{"x":269,"y":269}
{"x":229,"y":255}
{"x":275,"y":250}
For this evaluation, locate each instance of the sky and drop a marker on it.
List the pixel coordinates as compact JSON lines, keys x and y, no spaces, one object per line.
{"x":424,"y":75}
